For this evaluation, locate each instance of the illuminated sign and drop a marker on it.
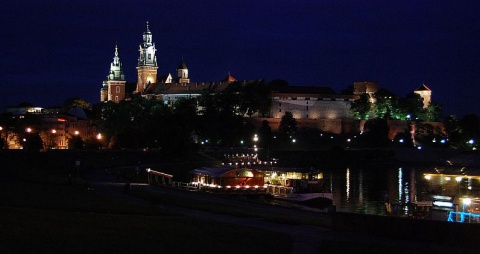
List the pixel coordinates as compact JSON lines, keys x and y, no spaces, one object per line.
{"x":443,"y":204}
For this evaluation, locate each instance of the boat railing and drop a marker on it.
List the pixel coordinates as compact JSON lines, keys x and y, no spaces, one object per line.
{"x":185,"y":186}
{"x":464,"y":217}
{"x":278,"y":190}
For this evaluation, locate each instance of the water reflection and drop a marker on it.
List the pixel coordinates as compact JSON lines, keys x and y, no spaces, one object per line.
{"x":365,"y":190}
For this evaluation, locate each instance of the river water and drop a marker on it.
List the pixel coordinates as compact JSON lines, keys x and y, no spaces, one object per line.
{"x":365,"y":189}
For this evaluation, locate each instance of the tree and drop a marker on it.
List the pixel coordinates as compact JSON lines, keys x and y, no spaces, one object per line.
{"x":414,"y":106}
{"x":463,"y":133}
{"x":75,"y":103}
{"x":362,"y":108}
{"x":376,"y":133}
{"x":432,"y":112}
{"x":75,"y":142}
{"x":288,"y":125}
{"x":32,"y":142}
{"x":265,"y":134}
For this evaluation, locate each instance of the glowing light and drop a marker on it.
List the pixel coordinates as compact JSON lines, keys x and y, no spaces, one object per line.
{"x":471,"y":141}
{"x":54,"y":131}
{"x":443,"y":141}
{"x":228,"y":186}
{"x":255,"y":138}
{"x":442,"y":203}
{"x":238,"y":186}
{"x":401,"y":140}
{"x":467,"y":201}
{"x":419,"y":148}
{"x":458,"y":178}
{"x":99,"y":136}
{"x":28,"y":129}
{"x":428,"y":177}
{"x":448,"y":178}
{"x":256,"y":186}
{"x":294,"y":140}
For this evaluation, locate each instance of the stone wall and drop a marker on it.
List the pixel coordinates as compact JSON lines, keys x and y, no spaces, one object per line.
{"x":340,"y":125}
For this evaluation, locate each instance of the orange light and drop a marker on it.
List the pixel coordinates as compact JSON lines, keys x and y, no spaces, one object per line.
{"x":61,"y":119}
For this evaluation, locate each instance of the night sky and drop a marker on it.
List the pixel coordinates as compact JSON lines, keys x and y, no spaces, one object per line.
{"x":53,"y":50}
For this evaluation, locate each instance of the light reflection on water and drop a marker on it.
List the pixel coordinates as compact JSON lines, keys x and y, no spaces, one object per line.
{"x":365,"y":190}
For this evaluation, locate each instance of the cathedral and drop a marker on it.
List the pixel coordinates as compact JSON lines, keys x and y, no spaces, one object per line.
{"x":149,"y":83}
{"x":321,"y":105}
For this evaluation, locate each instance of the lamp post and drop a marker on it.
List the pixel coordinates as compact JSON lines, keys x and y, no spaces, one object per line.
{"x":4,"y":146}
{"x":53,"y":141}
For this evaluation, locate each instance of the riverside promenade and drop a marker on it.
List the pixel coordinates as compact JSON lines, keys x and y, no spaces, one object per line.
{"x":336,"y":236}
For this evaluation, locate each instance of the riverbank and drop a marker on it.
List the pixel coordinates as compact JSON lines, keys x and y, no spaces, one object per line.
{"x":42,"y":210}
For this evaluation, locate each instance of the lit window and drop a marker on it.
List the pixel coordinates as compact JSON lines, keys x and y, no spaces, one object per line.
{"x":117,"y":89}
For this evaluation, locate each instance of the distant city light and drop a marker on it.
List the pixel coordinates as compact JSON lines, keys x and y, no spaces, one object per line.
{"x":443,"y":141}
{"x":458,"y":178}
{"x":471,"y":141}
{"x":401,"y":140}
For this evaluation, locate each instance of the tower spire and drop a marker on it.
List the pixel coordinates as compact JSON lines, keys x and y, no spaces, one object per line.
{"x":113,"y":89}
{"x":147,"y":61}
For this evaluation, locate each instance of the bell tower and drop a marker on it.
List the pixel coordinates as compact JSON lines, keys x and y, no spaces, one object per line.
{"x":114,"y":87}
{"x":147,"y":62}
{"x":182,"y":72}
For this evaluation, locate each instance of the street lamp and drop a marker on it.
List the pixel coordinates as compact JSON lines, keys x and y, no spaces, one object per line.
{"x":1,"y":129}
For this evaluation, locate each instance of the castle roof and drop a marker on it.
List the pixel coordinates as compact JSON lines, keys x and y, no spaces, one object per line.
{"x":185,"y":88}
{"x":306,"y":90}
{"x":229,"y":78}
{"x":182,"y":65}
{"x":423,"y":87}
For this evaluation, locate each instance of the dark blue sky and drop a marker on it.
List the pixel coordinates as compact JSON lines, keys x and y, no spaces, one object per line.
{"x":52,"y":50}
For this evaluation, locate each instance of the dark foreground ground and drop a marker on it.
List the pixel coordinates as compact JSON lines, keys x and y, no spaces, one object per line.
{"x":44,"y":209}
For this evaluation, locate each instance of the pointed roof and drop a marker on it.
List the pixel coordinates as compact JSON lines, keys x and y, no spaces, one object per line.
{"x":182,"y":65}
{"x":229,"y":78}
{"x":148,"y":29}
{"x":423,"y":87}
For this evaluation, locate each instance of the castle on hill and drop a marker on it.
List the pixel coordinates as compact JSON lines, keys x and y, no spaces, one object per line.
{"x":304,"y":102}
{"x":149,"y":83}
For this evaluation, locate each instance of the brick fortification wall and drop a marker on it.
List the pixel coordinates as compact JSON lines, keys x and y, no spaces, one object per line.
{"x":339,"y":125}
